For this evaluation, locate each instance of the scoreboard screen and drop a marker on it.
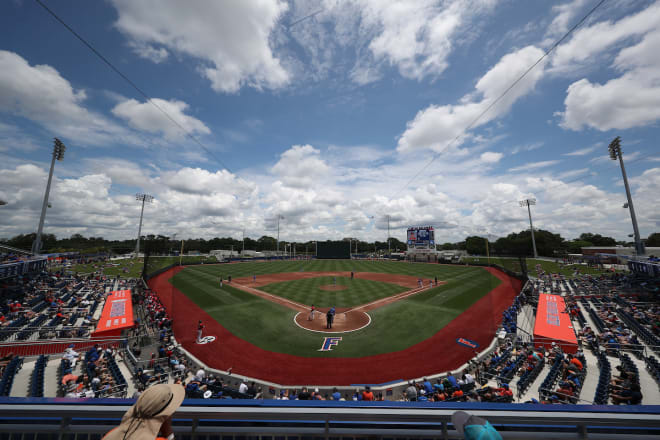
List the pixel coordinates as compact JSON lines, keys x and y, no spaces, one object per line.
{"x":421,"y":236}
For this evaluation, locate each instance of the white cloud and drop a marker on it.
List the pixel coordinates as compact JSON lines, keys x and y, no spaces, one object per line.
{"x":528,"y":147}
{"x":300,"y":165}
{"x":414,"y":37}
{"x":156,"y":55}
{"x":534,"y":165}
{"x":491,"y":157}
{"x":436,"y":126}
{"x":593,"y":40}
{"x":567,"y":14}
{"x":582,"y":151}
{"x":631,"y":100}
{"x":41,"y":94}
{"x":144,"y":116}
{"x":231,"y":40}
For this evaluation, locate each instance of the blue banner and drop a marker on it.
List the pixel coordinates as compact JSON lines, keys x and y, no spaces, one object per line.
{"x":467,"y":343}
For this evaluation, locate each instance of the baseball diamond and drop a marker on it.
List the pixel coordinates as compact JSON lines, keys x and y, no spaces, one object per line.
{"x":384,"y":317}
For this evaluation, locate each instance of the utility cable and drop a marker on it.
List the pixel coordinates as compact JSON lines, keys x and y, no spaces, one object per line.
{"x":492,"y":104}
{"x":188,"y":134}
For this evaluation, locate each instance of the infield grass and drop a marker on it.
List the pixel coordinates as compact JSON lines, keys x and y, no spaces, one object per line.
{"x":394,"y":327}
{"x":356,"y":292}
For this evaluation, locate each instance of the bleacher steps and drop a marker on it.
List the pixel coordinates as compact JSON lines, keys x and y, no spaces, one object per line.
{"x":590,"y":384}
{"x":50,"y":376}
{"x":128,"y":375}
{"x":533,"y":390}
{"x":22,"y":379}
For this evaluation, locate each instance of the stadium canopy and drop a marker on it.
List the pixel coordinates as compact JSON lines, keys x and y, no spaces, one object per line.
{"x":117,"y":315}
{"x":553,"y":324}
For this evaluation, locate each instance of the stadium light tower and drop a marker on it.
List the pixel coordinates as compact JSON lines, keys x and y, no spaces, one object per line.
{"x":389,"y":249}
{"x":58,"y":153}
{"x":278,"y":233}
{"x":615,"y":153}
{"x":144,"y":198}
{"x":528,"y":203}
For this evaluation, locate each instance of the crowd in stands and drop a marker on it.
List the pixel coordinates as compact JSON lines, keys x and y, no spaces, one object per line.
{"x":99,"y":377}
{"x":53,"y":305}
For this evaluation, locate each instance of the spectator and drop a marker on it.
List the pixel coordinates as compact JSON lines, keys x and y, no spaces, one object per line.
{"x":243,"y":388}
{"x":304,"y":395}
{"x":367,"y":395}
{"x":411,"y":392}
{"x":151,"y":415}
{"x":632,"y":395}
{"x":473,"y":428}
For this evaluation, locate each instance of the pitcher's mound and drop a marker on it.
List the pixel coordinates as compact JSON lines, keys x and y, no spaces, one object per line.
{"x":333,"y":287}
{"x":344,"y":322}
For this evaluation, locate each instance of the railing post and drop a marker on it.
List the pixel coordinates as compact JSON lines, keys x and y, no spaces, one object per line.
{"x":327,"y":427}
{"x":64,"y":427}
{"x":445,"y":435}
{"x":582,"y":431}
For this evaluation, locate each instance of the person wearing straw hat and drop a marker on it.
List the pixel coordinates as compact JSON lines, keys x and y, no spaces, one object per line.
{"x":150,"y":418}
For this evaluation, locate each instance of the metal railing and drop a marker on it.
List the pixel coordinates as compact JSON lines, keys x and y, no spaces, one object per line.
{"x":204,"y":419}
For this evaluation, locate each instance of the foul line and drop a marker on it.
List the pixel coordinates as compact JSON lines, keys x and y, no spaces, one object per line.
{"x":261,"y":292}
{"x":396,"y":298}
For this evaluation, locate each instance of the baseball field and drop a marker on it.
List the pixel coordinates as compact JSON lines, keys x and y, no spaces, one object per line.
{"x":262,"y":326}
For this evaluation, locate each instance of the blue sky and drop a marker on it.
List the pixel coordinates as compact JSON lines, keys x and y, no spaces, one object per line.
{"x":324,"y":111}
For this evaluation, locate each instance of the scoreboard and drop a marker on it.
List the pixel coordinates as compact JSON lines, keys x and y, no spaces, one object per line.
{"x":421,"y":236}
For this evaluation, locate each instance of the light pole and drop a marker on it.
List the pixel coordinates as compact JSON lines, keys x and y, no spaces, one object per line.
{"x":243,"y":239}
{"x":58,"y":153}
{"x":615,"y":153}
{"x":174,"y":240}
{"x":528,"y":203}
{"x":144,"y":198}
{"x":389,"y":250}
{"x":278,"y":233}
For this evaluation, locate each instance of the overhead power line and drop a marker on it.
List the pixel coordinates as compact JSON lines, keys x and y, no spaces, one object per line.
{"x":188,"y":134}
{"x":492,"y":104}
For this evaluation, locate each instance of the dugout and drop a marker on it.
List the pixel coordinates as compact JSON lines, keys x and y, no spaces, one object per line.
{"x":333,"y":250}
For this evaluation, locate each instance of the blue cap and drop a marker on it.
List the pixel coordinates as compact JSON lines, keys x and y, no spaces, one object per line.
{"x":473,"y":427}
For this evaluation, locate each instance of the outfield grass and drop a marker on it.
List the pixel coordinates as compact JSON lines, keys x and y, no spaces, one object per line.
{"x":394,"y":327}
{"x":357,"y":292}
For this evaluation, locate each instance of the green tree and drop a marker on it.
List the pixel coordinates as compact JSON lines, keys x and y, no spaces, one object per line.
{"x":575,"y":246}
{"x":653,"y":240}
{"x":475,"y":245}
{"x":597,"y":239}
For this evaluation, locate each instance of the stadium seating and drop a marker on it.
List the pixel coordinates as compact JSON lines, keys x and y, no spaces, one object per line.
{"x":8,"y":375}
{"x":605,"y":373}
{"x":528,"y":377}
{"x":37,"y":379}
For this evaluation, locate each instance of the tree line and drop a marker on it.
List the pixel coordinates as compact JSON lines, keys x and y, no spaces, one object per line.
{"x":547,"y":243}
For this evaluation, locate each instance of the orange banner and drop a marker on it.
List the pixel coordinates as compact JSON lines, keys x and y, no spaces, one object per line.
{"x":117,"y":314}
{"x":553,"y":324}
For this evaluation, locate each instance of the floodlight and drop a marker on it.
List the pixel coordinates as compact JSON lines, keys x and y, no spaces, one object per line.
{"x":144,"y":198}
{"x":615,"y":148}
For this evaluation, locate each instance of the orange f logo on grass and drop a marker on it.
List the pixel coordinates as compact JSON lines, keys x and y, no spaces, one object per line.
{"x":330,"y":342}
